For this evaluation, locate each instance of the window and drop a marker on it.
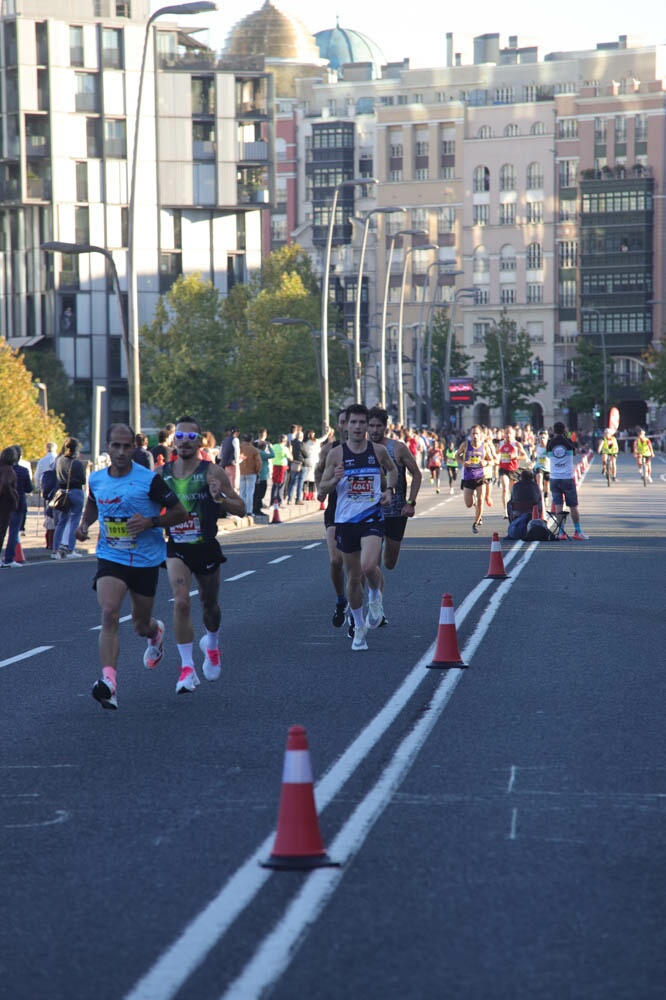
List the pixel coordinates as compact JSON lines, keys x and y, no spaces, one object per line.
{"x":568,"y":253}
{"x":568,"y":294}
{"x":479,"y":333}
{"x":446,"y":219}
{"x":485,"y":132}
{"x":447,"y":173}
{"x":534,"y":212}
{"x":395,"y":175}
{"x":86,"y":98}
{"x":481,"y":179}
{"x":112,"y":48}
{"x":567,"y":171}
{"x":480,"y":261}
{"x":640,"y":128}
{"x":93,"y":138}
{"x":421,"y":147}
{"x":567,"y":128}
{"x":421,"y":174}
{"x":81,"y":225}
{"x":507,"y":177}
{"x":203,"y":95}
{"x":395,"y":150}
{"x":507,"y":295}
{"x":511,"y":130}
{"x":171,"y":266}
{"x":481,"y":296}
{"x":534,"y":178}
{"x":600,"y":131}
{"x":420,"y":218}
{"x":507,"y":258}
{"x":620,"y":129}
{"x":507,"y":214}
{"x":75,"y":46}
{"x":534,"y":292}
{"x":538,"y":129}
{"x":480,"y":215}
{"x":448,"y":147}
{"x":115,"y":140}
{"x":534,"y":257}
{"x":504,"y":95}
{"x":82,"y":182}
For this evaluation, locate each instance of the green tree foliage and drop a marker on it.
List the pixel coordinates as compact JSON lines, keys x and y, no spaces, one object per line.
{"x":185,"y":353}
{"x":70,"y":403}
{"x":22,"y":418}
{"x":655,"y":382}
{"x":460,"y":363}
{"x":588,"y":389}
{"x":520,"y":384}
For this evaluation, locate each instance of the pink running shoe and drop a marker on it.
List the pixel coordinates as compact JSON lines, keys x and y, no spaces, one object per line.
{"x":212,"y":664}
{"x":187,"y":681}
{"x":155,"y":649}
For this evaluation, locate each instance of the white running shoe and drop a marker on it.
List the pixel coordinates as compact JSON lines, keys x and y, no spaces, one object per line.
{"x":358,"y":642}
{"x":104,"y":691}
{"x":375,"y":613}
{"x":187,"y":681}
{"x":212,"y":664}
{"x":73,"y":555}
{"x":155,"y":648}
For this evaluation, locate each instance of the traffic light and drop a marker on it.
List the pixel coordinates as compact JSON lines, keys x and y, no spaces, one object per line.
{"x":535,"y":369}
{"x":597,"y":410}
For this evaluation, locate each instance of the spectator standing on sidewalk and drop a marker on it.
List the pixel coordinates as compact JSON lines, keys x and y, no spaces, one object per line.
{"x":71,"y":475}
{"x":18,"y":515}
{"x":250,"y":467}
{"x":8,"y":496}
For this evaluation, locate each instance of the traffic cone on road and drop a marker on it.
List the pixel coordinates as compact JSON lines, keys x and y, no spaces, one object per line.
{"x":496,"y":569}
{"x":447,"y":653}
{"x":298,"y":844}
{"x":18,"y":553}
{"x":276,"y":519}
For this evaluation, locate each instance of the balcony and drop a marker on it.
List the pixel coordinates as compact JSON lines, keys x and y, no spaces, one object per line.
{"x":253,"y":151}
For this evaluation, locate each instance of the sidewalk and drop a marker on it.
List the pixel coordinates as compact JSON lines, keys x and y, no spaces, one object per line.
{"x":33,"y":541}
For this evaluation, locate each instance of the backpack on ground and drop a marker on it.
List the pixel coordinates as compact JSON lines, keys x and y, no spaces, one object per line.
{"x":537,"y":531}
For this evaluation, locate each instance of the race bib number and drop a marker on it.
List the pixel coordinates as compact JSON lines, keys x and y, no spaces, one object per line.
{"x":187,"y":531}
{"x":360,"y":488}
{"x":117,"y":534}
{"x":474,"y":460}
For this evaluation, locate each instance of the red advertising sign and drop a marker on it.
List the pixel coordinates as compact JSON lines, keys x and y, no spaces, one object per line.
{"x":461,"y":390}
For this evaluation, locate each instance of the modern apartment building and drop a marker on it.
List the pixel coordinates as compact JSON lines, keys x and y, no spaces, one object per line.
{"x":69,"y":83}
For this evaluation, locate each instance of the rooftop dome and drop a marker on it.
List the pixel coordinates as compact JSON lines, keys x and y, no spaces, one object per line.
{"x":342,"y":45}
{"x":270,"y":33}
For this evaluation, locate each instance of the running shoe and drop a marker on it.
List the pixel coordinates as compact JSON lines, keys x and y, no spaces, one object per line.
{"x":489,"y":501}
{"x":649,"y":478}
{"x":350,"y":624}
{"x":375,"y":613}
{"x":338,"y":618}
{"x":155,"y":649}
{"x":187,"y":681}
{"x":104,"y":691}
{"x":359,"y":641}
{"x":212,"y":664}
{"x":73,"y":555}
{"x":580,"y":536}
{"x":475,"y":528}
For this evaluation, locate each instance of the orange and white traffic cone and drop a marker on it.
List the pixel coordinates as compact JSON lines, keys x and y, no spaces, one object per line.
{"x":298,"y":844}
{"x":18,"y":553}
{"x":447,"y":653}
{"x":276,"y":519}
{"x":496,"y":569}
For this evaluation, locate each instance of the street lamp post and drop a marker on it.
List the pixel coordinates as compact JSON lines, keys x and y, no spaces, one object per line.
{"x":500,"y":351}
{"x":602,"y":333}
{"x":45,"y":396}
{"x":359,"y":288}
{"x":55,"y":246}
{"x":353,"y":182}
{"x":401,"y":393}
{"x":198,"y":7}
{"x":387,"y":282}
{"x":462,"y":293}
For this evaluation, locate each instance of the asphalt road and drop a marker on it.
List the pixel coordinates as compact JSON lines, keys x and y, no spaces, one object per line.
{"x":500,"y":830}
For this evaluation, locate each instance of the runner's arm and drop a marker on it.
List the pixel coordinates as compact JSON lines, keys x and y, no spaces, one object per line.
{"x":90,"y":515}
{"x":223,"y":493}
{"x":334,"y":470}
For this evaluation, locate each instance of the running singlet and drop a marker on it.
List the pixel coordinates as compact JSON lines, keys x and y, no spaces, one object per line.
{"x":474,"y":455}
{"x":508,"y":457}
{"x":193,"y":493}
{"x":398,"y":501}
{"x":561,"y":452}
{"x":541,"y":460}
{"x":451,"y":459}
{"x":360,"y":489}
{"x":609,"y":447}
{"x":117,"y":498}
{"x":644,"y":447}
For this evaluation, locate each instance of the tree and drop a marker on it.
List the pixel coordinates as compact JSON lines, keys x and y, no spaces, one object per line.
{"x":69,"y":402}
{"x":655,"y":386}
{"x":517,"y":360}
{"x":22,"y":419}
{"x":588,"y":393}
{"x":460,"y":363}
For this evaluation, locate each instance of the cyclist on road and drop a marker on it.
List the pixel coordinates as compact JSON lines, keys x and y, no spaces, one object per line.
{"x":643,"y":450}
{"x":608,"y":449}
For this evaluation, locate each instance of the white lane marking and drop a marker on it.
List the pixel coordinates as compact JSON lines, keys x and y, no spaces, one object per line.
{"x":174,"y":967}
{"x":61,"y":816}
{"x":239,"y":576}
{"x":125,"y":618}
{"x":314,"y":545}
{"x":512,"y":778}
{"x":25,"y":656}
{"x":193,"y":593}
{"x":274,"y":954}
{"x":514,"y":825}
{"x":272,"y":562}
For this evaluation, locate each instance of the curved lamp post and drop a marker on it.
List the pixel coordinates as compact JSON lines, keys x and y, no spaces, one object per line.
{"x":353,"y":182}
{"x":387,"y":282}
{"x":359,"y":288}
{"x":199,"y":7}
{"x":401,"y":392}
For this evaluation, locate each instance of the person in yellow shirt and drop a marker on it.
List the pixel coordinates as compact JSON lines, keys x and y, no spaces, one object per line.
{"x":608,"y":449}
{"x":643,"y":449}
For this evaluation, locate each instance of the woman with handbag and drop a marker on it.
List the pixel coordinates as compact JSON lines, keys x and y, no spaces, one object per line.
{"x":71,"y":476}
{"x":23,"y":486}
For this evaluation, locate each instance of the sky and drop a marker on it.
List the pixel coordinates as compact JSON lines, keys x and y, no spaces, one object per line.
{"x":554,"y":26}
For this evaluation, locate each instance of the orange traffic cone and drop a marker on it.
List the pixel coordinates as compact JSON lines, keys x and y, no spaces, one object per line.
{"x":447,"y":653}
{"x":18,"y":553}
{"x":276,"y":519}
{"x":496,"y":569}
{"x":322,"y":504}
{"x":298,"y":843}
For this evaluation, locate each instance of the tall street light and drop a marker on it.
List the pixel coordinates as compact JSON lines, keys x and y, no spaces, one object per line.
{"x":199,"y":7}
{"x":442,"y":265}
{"x":387,"y":282}
{"x":45,"y":396}
{"x":353,"y":182}
{"x":602,"y":333}
{"x":495,"y":329}
{"x":359,"y":288}
{"x":401,"y":392}
{"x":462,"y":293}
{"x":55,"y":246}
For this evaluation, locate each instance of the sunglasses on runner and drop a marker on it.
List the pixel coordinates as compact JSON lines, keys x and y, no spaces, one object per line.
{"x":186,"y":435}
